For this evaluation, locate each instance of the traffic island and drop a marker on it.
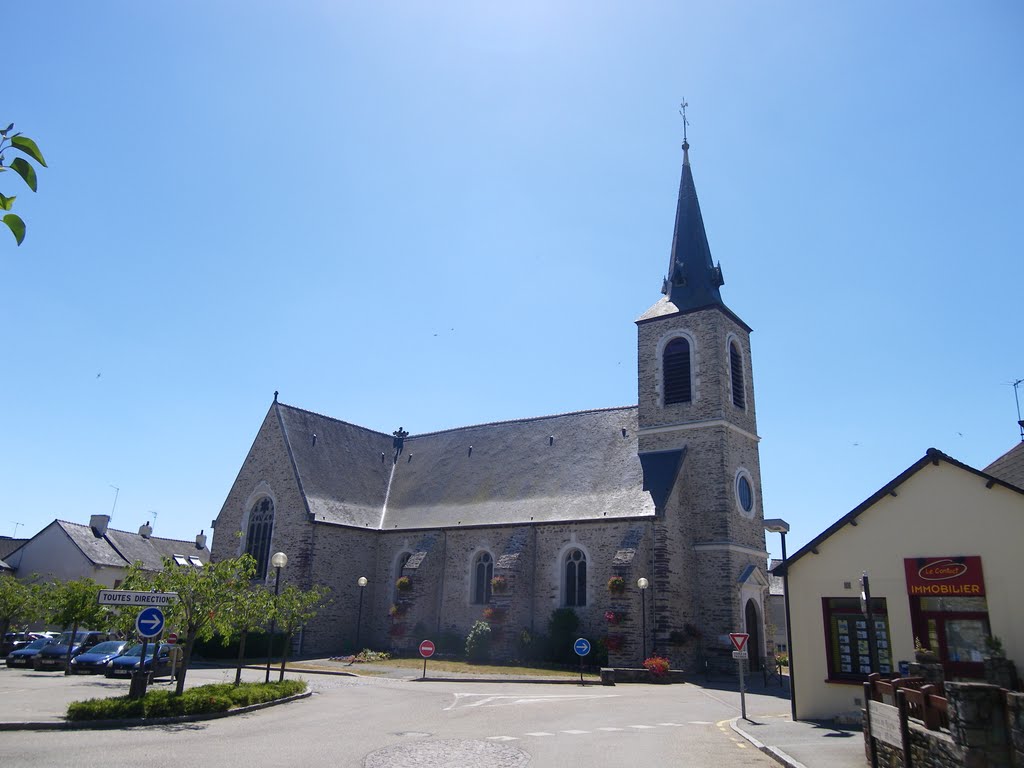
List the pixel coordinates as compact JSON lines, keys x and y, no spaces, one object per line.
{"x":615,"y":675}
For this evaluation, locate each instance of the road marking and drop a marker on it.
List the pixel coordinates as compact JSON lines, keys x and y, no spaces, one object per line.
{"x":575,"y":733}
{"x":540,"y":733}
{"x":701,"y":722}
{"x":611,"y":729}
{"x":503,"y":738}
{"x":463,"y":700}
{"x":671,"y":725}
{"x":642,"y":726}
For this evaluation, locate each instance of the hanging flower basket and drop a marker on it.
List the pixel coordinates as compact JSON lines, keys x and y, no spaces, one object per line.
{"x":491,"y":613}
{"x":614,"y":618}
{"x":396,"y":630}
{"x":499,"y":585}
{"x":613,"y":642}
{"x":404,"y":584}
{"x":616,"y":585}
{"x":398,"y":609}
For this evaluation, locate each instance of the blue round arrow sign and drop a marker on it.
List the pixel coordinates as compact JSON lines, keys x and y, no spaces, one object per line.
{"x":150,"y":622}
{"x":581,"y":646}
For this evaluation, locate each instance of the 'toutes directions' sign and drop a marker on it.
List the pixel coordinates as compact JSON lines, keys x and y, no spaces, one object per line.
{"x":150,"y":622}
{"x":129,"y":599}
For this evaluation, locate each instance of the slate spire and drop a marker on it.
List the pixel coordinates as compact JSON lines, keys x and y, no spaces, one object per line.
{"x":693,"y":279}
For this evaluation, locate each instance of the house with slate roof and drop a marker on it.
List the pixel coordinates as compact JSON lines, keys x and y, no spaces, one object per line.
{"x":66,"y":551}
{"x":512,"y":520}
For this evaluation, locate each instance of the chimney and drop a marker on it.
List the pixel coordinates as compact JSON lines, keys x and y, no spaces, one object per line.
{"x":99,"y":524}
{"x":200,"y":540}
{"x":145,"y":530}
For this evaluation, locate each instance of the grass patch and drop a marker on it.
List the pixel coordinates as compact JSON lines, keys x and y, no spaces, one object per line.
{"x":203,"y":699}
{"x":448,"y":665}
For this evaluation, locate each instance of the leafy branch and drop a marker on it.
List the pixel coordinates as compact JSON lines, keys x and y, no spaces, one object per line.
{"x":22,"y":167}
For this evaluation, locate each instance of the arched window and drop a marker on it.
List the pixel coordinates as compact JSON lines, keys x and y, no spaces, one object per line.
{"x":257,"y":538}
{"x":483,"y":571}
{"x":575,"y":578}
{"x":675,"y":366}
{"x":736,"y":371}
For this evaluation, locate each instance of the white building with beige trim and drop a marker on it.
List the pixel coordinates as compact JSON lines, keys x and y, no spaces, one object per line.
{"x":941,"y":546}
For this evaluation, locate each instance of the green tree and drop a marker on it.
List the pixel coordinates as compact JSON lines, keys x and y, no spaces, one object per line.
{"x":203,"y":595}
{"x":20,"y":603}
{"x":17,"y":142}
{"x":293,"y":608}
{"x":246,"y":611}
{"x":75,"y":604}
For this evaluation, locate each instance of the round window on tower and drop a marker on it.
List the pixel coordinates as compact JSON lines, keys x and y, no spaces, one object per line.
{"x":744,"y":494}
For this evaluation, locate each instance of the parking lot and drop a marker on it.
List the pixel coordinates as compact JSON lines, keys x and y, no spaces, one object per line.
{"x":30,"y":696}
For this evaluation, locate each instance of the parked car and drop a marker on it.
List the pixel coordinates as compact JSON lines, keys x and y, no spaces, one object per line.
{"x":95,"y":660}
{"x":23,"y":656}
{"x":158,"y":661}
{"x":54,"y":656}
{"x":14,"y":640}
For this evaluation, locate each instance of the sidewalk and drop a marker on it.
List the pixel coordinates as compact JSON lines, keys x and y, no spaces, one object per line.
{"x":804,"y":744}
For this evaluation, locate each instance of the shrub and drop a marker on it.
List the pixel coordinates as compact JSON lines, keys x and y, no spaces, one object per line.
{"x":616,"y":585}
{"x":478,"y":642}
{"x":200,"y":700}
{"x":563,"y":627}
{"x":369,"y":656}
{"x":658,"y":665}
{"x":451,"y":643}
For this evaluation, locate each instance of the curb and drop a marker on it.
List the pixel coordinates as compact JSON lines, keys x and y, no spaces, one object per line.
{"x":95,"y":725}
{"x":773,"y":752}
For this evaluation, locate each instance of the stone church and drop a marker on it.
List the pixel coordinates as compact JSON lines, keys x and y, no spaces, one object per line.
{"x":508,"y":521}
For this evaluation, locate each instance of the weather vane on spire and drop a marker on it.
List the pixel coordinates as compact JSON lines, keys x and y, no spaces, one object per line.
{"x":682,"y":111}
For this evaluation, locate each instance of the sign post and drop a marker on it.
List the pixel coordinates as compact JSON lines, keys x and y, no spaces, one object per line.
{"x":426,"y":651}
{"x":149,"y":623}
{"x":582,"y":648}
{"x":739,"y":642}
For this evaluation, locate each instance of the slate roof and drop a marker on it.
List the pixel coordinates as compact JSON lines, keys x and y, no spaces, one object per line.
{"x":776,"y":586}
{"x":1009,"y":466}
{"x":568,"y":467}
{"x":122,"y":548}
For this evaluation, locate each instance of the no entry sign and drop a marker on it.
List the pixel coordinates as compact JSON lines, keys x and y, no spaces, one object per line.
{"x":427,"y":649}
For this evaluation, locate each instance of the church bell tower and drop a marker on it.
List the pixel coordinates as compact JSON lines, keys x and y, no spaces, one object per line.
{"x":698,"y":445}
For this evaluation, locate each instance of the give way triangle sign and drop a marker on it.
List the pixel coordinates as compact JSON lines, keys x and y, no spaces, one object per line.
{"x":739,"y":640}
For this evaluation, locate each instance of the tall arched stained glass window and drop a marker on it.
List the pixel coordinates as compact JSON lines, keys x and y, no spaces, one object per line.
{"x":483,"y":572}
{"x":257,"y":538}
{"x":575,"y":578}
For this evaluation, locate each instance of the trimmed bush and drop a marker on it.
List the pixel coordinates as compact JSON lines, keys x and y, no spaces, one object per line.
{"x":219,"y":697}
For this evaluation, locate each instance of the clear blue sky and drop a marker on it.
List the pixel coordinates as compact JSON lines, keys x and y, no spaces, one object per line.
{"x":431,"y":215}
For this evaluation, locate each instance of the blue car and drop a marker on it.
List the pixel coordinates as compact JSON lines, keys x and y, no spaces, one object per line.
{"x":23,"y":656}
{"x":54,"y":656}
{"x":96,"y":659}
{"x":158,"y":661}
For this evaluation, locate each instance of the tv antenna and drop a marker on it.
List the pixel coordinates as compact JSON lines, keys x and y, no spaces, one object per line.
{"x":16,"y":528}
{"x":116,"y":492}
{"x":1016,"y":396}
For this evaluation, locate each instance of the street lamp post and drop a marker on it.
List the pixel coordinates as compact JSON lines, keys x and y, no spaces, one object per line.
{"x":359,"y":620}
{"x":781,"y":527}
{"x":279,"y":561}
{"x":643,"y":584}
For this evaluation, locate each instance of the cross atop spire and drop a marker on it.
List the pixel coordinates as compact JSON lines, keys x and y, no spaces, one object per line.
{"x":693,"y":278}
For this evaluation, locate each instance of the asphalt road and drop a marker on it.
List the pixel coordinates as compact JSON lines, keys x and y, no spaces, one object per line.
{"x":374,"y":722}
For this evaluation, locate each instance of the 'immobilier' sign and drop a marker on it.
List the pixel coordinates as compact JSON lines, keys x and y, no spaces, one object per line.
{"x":127,"y":598}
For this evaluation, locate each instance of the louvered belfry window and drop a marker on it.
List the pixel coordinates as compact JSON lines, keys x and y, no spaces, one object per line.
{"x":675,"y":363}
{"x":736,"y":369}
